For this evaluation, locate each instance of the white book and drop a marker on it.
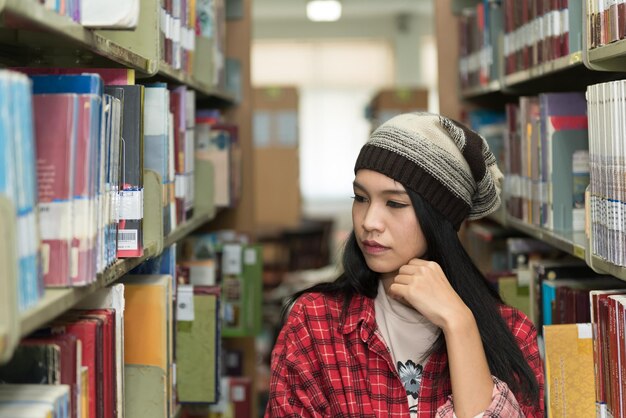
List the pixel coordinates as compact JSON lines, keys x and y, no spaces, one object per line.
{"x":109,"y":14}
{"x":55,"y":396}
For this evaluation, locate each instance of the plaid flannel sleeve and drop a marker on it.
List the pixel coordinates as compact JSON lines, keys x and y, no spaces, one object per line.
{"x":294,"y":391}
{"x":504,"y":403}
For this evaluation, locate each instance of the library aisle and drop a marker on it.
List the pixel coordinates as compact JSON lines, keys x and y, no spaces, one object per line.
{"x":173,"y":171}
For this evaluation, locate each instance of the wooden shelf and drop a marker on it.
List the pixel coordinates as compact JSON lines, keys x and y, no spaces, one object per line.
{"x":188,"y":227}
{"x":573,"y":243}
{"x":548,"y":68}
{"x":492,"y":87}
{"x":34,"y":24}
{"x":609,"y":57}
{"x":604,"y":266}
{"x":200,"y":87}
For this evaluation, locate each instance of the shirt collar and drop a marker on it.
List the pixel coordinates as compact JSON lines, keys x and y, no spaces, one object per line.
{"x":360,"y":311}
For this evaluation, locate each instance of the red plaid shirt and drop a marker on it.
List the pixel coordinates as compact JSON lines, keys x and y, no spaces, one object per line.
{"x":325,"y":367}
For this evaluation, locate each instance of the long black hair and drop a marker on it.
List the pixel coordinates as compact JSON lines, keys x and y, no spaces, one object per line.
{"x":505,"y":359}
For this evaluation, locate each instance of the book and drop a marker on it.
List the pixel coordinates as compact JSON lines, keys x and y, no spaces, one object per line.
{"x":130,"y":229}
{"x":197,"y":349}
{"x":112,"y":298}
{"x":214,"y":143}
{"x":117,"y":14}
{"x":241,"y":281}
{"x":34,"y":410}
{"x":70,"y":358}
{"x":109,"y":75}
{"x":569,"y":370}
{"x":18,"y":183}
{"x":55,"y":131}
{"x":107,"y":357}
{"x":148,"y":345}
{"x":90,"y":332}
{"x":55,"y":396}
{"x":600,"y":350}
{"x":33,"y":363}
{"x":549,"y":291}
{"x":564,"y":132}
{"x":156,"y":142}
{"x":87,"y":166}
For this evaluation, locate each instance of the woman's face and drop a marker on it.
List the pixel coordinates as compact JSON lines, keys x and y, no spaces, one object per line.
{"x":386,"y":227}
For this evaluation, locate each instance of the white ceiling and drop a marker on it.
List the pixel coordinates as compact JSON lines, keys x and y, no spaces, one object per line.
{"x":352,"y":9}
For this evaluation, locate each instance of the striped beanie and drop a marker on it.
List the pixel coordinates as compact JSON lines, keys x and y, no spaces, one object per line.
{"x":442,"y":160}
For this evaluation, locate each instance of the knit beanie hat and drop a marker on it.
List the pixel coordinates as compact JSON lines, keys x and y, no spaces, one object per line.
{"x":442,"y":160}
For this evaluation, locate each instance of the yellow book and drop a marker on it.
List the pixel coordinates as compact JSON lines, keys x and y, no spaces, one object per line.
{"x":148,"y":346}
{"x":570,"y":384}
{"x":145,"y":320}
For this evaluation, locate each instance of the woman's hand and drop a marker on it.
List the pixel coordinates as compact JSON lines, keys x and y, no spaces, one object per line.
{"x":423,"y":285}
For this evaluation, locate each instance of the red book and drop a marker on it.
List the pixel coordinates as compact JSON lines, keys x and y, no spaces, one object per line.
{"x":604,"y":367}
{"x":526,"y":61}
{"x":620,"y":301}
{"x":55,"y":134}
{"x":107,"y":398}
{"x":614,"y":406}
{"x":89,"y":332}
{"x":83,"y":240}
{"x":241,"y":396}
{"x":621,"y":19}
{"x":565,"y":33}
{"x":599,"y":305}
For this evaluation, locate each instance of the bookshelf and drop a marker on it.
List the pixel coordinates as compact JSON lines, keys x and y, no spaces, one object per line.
{"x":609,"y":57}
{"x":33,"y":36}
{"x":40,"y":37}
{"x":29,"y":24}
{"x":571,"y":61}
{"x":57,"y":301}
{"x":574,"y":71}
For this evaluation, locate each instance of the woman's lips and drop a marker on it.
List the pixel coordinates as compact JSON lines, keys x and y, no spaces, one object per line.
{"x":372,"y":247}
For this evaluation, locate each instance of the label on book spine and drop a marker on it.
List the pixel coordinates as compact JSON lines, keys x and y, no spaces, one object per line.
{"x":131,"y":204}
{"x":55,"y":220}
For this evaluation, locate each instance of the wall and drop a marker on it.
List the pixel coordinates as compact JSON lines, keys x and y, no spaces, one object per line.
{"x":407,"y":35}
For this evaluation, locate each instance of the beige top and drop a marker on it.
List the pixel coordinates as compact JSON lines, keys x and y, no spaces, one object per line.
{"x":408,"y":335}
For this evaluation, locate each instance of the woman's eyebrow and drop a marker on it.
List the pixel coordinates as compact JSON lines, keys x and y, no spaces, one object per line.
{"x":357,"y":185}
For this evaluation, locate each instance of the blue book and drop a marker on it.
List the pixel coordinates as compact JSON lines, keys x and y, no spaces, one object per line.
{"x":68,"y":83}
{"x":26,"y":184}
{"x":7,"y":161}
{"x":17,"y":180}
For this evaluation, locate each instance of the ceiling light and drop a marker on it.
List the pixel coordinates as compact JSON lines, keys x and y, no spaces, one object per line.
{"x":323,"y":10}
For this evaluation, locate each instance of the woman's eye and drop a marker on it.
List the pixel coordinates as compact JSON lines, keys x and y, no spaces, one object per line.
{"x":396,"y":205}
{"x":359,"y":199}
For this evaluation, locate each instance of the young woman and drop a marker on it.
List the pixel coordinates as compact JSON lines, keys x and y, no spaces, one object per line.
{"x":410,"y":328}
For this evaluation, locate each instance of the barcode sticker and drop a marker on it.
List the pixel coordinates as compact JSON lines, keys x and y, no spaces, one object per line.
{"x":127,"y":239}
